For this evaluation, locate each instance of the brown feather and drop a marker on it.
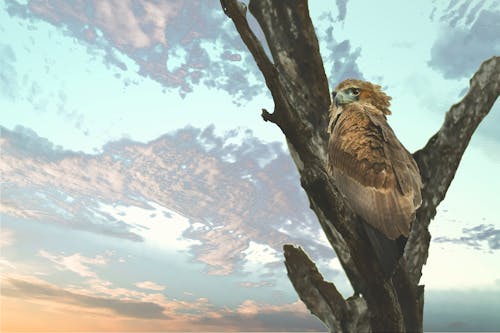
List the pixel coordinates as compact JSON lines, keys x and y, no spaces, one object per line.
{"x":372,"y":169}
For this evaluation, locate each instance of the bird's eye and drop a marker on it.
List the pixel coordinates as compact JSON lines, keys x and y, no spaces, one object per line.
{"x":355,"y":91}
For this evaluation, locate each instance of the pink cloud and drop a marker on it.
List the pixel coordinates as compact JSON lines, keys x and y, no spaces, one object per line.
{"x":150,"y":285}
{"x":6,"y":237}
{"x":147,"y":31}
{"x":226,"y":208}
{"x":117,"y":19}
{"x":251,"y":307}
{"x":76,"y":263}
{"x":145,"y":311}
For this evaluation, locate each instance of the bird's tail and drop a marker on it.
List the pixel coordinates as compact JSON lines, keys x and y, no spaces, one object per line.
{"x":387,"y":251}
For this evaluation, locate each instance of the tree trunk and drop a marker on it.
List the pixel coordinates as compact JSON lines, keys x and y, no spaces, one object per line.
{"x":299,"y":87}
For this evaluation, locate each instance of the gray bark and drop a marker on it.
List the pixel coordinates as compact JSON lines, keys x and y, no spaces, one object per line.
{"x":299,"y":87}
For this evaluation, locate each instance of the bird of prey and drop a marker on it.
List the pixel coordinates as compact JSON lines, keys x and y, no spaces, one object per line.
{"x":371,"y":168}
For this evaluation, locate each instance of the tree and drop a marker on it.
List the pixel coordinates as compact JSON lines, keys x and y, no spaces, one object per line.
{"x":299,"y":87}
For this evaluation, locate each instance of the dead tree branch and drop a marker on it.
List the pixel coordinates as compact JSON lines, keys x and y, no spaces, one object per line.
{"x":439,"y":159}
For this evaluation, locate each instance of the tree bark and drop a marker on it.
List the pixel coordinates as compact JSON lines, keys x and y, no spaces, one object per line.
{"x":299,"y":87}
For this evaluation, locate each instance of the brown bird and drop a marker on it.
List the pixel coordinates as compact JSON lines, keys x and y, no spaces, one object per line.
{"x":371,"y":168}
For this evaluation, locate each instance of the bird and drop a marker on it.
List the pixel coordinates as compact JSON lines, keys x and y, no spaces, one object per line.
{"x":371,"y":168}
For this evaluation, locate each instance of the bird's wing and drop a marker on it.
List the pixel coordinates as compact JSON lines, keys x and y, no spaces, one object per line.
{"x":373,"y":170}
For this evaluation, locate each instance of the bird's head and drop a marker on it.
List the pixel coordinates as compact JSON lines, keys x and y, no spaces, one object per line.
{"x":351,"y":90}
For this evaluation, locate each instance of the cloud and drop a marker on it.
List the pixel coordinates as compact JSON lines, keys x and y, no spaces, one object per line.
{"x":345,"y":65}
{"x":156,"y":37}
{"x":231,"y":190}
{"x":27,"y":289}
{"x":340,"y":60}
{"x":155,"y":224}
{"x":150,"y":285}
{"x":6,"y":237}
{"x":459,"y":50}
{"x":342,"y":7}
{"x":478,"y":237}
{"x":153,"y":312}
{"x":76,"y":263}
{"x":251,"y":315}
{"x":259,"y":284}
{"x":8,"y":74}
{"x":460,"y":12}
{"x":457,"y":310}
{"x":6,"y":264}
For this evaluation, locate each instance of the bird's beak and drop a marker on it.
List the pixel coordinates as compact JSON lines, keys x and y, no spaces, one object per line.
{"x":339,"y":98}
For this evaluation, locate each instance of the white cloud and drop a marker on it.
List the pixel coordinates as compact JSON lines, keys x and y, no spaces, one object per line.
{"x":6,"y":264}
{"x":177,"y":57}
{"x":76,"y":263}
{"x":149,"y":285}
{"x":257,"y":255}
{"x":159,"y":226}
{"x":251,"y":307}
{"x":6,"y":237}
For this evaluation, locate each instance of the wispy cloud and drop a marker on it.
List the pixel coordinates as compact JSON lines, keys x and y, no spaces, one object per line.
{"x":480,"y":237}
{"x":340,"y":57}
{"x":156,"y":225}
{"x":6,"y":264}
{"x":259,"y":284}
{"x":292,"y":317}
{"x":76,"y":263}
{"x":150,"y":285}
{"x":225,"y":189}
{"x":160,"y":312}
{"x":8,"y":74}
{"x":6,"y":237}
{"x":156,"y":37}
{"x":461,"y":12}
{"x":33,"y":289}
{"x":227,"y":194}
{"x":469,"y":28}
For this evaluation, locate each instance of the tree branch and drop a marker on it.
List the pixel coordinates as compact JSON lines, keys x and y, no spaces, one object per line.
{"x":439,"y":159}
{"x":236,"y":11}
{"x":322,"y":298}
{"x":295,"y":51}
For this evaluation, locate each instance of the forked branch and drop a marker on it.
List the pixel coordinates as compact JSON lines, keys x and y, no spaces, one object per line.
{"x":439,"y":159}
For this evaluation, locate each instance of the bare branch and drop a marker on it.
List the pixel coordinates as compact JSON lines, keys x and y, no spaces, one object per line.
{"x":321,"y":297}
{"x":236,"y":11}
{"x":295,"y":50}
{"x":439,"y":159}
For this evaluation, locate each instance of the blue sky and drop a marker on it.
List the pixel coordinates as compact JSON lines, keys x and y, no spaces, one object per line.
{"x":139,"y":180}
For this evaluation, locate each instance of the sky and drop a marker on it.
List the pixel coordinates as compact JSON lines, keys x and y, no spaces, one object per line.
{"x":142,"y":191}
